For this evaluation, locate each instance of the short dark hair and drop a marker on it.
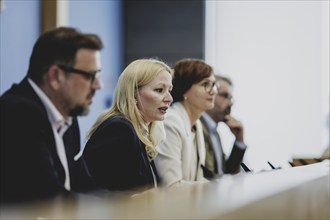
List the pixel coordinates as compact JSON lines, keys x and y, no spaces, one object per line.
{"x":224,"y":78}
{"x":59,"y":46}
{"x":186,"y":73}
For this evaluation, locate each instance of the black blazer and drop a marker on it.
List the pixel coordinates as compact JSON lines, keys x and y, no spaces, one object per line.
{"x":30,"y":166}
{"x":117,"y":159}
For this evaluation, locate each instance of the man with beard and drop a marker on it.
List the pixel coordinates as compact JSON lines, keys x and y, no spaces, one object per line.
{"x":40,"y":140}
{"x":216,"y":163}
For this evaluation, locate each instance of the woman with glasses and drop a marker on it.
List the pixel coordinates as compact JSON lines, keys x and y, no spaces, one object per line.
{"x":120,"y":151}
{"x":181,"y":156}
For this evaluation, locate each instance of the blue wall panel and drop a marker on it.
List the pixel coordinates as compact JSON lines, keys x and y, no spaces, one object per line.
{"x":19,"y":29}
{"x":105,"y":19}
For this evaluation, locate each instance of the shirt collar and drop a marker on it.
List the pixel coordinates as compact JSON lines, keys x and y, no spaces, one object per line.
{"x":54,"y":116}
{"x":210,"y":123}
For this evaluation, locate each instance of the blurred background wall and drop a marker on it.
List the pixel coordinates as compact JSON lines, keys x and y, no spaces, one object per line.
{"x":276,"y":52}
{"x":169,"y":30}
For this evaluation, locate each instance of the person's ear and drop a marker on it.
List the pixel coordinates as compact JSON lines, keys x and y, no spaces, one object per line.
{"x":184,"y":96}
{"x":54,"y":77}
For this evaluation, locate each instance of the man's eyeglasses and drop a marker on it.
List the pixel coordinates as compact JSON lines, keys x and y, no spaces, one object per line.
{"x":209,"y":87}
{"x":92,"y":76}
{"x":226,"y":95}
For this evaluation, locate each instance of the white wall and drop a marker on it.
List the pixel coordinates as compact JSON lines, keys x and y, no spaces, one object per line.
{"x":277,"y":54}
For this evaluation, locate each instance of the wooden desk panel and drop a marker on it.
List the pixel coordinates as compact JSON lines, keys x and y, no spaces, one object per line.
{"x":294,"y":193}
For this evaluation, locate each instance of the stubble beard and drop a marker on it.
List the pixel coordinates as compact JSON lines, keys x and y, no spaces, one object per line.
{"x":79,"y":110}
{"x":226,"y":112}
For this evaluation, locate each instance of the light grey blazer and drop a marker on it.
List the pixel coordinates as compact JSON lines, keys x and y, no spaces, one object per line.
{"x":175,"y":160}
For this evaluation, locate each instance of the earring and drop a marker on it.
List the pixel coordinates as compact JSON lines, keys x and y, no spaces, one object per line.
{"x":185,"y":97}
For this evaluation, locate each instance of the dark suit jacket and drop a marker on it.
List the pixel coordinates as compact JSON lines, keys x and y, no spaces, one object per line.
{"x":231,"y":165}
{"x":116,"y":157}
{"x":30,"y":166}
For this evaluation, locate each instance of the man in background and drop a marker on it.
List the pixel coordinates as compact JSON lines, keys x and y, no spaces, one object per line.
{"x":216,"y":162}
{"x":40,"y":140}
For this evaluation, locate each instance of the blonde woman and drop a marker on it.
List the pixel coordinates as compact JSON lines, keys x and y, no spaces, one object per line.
{"x":121,"y":144}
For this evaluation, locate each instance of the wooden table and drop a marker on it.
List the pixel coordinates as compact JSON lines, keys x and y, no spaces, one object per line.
{"x":293,"y":193}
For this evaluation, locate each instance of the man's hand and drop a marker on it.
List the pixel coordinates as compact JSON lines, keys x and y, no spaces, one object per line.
{"x":236,"y":127}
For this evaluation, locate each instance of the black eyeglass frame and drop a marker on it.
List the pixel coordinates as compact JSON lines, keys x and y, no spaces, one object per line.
{"x":225,"y":95}
{"x":92,"y":76}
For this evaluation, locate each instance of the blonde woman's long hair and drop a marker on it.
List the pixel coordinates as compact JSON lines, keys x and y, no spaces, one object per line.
{"x":137,"y":74}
